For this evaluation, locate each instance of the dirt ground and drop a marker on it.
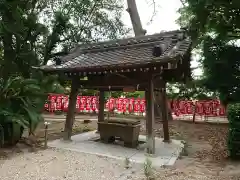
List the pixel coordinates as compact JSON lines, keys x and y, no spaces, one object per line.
{"x":55,"y":131}
{"x":203,"y":141}
{"x":205,"y":153}
{"x":56,"y":128}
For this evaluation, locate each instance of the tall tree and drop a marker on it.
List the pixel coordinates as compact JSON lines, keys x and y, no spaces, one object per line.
{"x":139,"y":31}
{"x":214,"y":27}
{"x":32,"y":32}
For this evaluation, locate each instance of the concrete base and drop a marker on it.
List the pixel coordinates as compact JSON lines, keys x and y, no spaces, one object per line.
{"x":166,"y":153}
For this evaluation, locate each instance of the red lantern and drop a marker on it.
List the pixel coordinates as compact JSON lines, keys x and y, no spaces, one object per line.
{"x":78,"y":103}
{"x":131,"y":104}
{"x":59,"y":102}
{"x":207,"y":109}
{"x":65,"y":103}
{"x":189,"y":107}
{"x":215,"y":105}
{"x":125,"y":104}
{"x":83,"y":101}
{"x":52,"y":103}
{"x":120,"y":104}
{"x":199,"y":108}
{"x":137,"y":105}
{"x":175,"y":108}
{"x":142,"y":105}
{"x":88,"y":103}
{"x":94,"y":103}
{"x":222,"y":110}
{"x":182,"y":107}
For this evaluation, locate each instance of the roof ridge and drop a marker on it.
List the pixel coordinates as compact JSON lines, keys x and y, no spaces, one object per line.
{"x":127,"y":46}
{"x":128,"y":41}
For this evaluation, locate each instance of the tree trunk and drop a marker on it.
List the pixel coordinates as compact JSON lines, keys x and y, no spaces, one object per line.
{"x":135,"y":18}
{"x":139,"y":31}
{"x":194,"y":112}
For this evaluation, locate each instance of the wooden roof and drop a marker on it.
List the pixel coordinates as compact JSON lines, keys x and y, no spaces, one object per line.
{"x":123,"y":53}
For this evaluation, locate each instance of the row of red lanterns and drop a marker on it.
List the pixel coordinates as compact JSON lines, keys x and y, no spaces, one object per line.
{"x":137,"y":105}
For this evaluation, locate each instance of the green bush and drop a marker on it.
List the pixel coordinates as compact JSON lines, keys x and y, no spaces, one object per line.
{"x":234,"y":130}
{"x":21,"y":104}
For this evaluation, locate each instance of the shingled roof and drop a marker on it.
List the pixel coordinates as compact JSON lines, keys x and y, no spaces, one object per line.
{"x":117,"y":54}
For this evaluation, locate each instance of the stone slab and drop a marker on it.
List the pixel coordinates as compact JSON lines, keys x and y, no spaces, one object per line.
{"x":166,"y":153}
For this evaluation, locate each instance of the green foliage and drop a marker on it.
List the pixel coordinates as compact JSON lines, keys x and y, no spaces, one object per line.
{"x":19,"y":32}
{"x":214,"y":28}
{"x":60,"y":25}
{"x":117,"y":94}
{"x":222,"y":69}
{"x":207,"y":16}
{"x":136,"y":94}
{"x":234,"y":130}
{"x":192,"y":90}
{"x":21,"y":103}
{"x":88,"y":20}
{"x":32,"y":32}
{"x":88,"y":92}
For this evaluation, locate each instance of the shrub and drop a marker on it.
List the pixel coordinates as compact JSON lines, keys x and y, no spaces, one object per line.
{"x":21,"y":101}
{"x":21,"y":104}
{"x":233,"y":113}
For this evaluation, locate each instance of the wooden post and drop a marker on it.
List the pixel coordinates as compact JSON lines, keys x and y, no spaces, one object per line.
{"x":71,"y":110}
{"x":194,"y":111}
{"x":165,"y":114}
{"x":150,"y":118}
{"x":101,"y":107}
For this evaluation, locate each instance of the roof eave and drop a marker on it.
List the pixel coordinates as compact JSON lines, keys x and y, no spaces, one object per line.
{"x":158,"y":62}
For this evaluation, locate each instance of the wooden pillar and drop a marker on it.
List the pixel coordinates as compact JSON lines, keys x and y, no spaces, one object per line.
{"x":165,"y":114}
{"x":71,"y":110}
{"x":150,"y":120}
{"x":101,"y":107}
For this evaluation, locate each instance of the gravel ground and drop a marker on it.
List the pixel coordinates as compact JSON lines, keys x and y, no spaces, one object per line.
{"x":55,"y":164}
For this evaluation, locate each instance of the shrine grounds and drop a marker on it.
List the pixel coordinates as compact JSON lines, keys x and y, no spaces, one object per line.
{"x":204,"y":157}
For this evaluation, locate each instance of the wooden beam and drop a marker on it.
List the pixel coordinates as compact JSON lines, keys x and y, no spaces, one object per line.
{"x":118,"y":84}
{"x":165,"y":115}
{"x":101,"y":82}
{"x":115,"y":80}
{"x":101,"y":107}
{"x":114,"y":88}
{"x":71,"y":110}
{"x":150,"y":120}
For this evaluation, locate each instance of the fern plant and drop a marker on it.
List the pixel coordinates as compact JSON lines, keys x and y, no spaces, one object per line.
{"x":21,"y":104}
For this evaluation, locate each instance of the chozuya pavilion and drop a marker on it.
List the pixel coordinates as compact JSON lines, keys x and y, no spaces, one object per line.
{"x":145,"y":63}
